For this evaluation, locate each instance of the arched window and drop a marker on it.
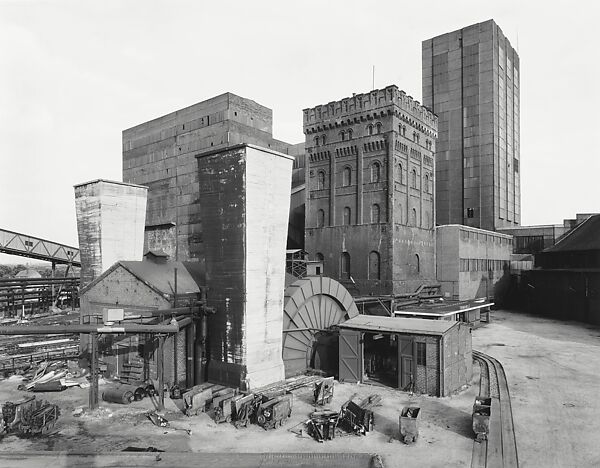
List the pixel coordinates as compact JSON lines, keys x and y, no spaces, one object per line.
{"x":413,"y":220}
{"x":374,"y":266}
{"x":378,"y":127}
{"x":400,"y":176}
{"x":426,"y":188}
{"x":320,"y":180}
{"x":323,"y":140}
{"x":347,"y":216}
{"x":417,"y":264}
{"x":369,"y":129}
{"x":375,"y":172}
{"x":346,"y":177}
{"x":320,"y":218}
{"x":316,"y":141}
{"x":375,"y":214}
{"x":404,"y":130}
{"x":345,"y":265}
{"x":319,"y":257}
{"x":349,"y":134}
{"x":414,"y":178}
{"x":343,"y":135}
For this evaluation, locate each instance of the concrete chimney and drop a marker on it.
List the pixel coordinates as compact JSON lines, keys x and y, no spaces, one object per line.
{"x":110,"y":224}
{"x":244,"y":207}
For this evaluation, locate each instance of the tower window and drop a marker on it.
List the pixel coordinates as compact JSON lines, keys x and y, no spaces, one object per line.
{"x":378,"y":127}
{"x":345,"y":265}
{"x":343,"y":135}
{"x":414,"y":217}
{"x":375,"y":172}
{"x":417,"y":263}
{"x":414,"y":178}
{"x":346,"y":177}
{"x":320,"y":218}
{"x":347,"y":216}
{"x":375,"y":213}
{"x":374,"y":266}
{"x":369,"y":129}
{"x":320,"y":180}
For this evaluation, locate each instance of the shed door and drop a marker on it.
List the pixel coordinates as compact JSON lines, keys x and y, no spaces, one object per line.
{"x":406,"y":360}
{"x":351,"y":356}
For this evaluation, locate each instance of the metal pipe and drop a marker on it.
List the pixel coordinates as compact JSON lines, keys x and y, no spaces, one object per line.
{"x":79,"y":328}
{"x":161,"y":372}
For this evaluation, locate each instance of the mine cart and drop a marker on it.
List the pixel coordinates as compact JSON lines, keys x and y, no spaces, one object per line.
{"x":323,"y":391}
{"x":274,"y":412}
{"x":29,"y":416}
{"x":244,"y":407}
{"x":409,"y":424}
{"x":356,"y":419}
{"x":196,"y":399}
{"x":221,"y":406}
{"x":481,"y":417}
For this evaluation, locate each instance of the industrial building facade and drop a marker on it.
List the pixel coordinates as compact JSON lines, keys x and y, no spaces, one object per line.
{"x":471,"y":262}
{"x":369,"y":190}
{"x":160,"y":154}
{"x":471,"y":82}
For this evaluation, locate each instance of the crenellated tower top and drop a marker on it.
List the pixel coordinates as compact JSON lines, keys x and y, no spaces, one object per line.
{"x":353,"y":109}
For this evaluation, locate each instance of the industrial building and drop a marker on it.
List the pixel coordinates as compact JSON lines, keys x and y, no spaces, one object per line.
{"x":425,"y":356}
{"x":472,"y":262}
{"x":160,"y":154}
{"x":565,"y":282}
{"x":471,"y":82}
{"x":136,"y":287}
{"x":369,"y":191}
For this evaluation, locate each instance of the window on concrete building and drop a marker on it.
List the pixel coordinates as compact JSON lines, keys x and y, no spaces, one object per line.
{"x":421,"y":354}
{"x":343,"y":135}
{"x":323,"y":139}
{"x":374,"y":266}
{"x":349,"y":134}
{"x":347,"y":216}
{"x":413,"y":220}
{"x":316,"y":141}
{"x":345,"y":265}
{"x":470,"y":212}
{"x":417,"y":263}
{"x":378,"y":127}
{"x":375,"y":214}
{"x":414,"y":178}
{"x":400,"y":176}
{"x":369,"y":129}
{"x":426,"y":188}
{"x":320,"y":218}
{"x":347,"y":177}
{"x":403,"y":130}
{"x":375,"y":172}
{"x":320,"y":180}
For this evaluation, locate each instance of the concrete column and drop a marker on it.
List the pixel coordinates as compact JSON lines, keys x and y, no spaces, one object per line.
{"x":243,"y":194}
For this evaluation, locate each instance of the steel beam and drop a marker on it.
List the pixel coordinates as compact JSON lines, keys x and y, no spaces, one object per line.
{"x":14,"y":243}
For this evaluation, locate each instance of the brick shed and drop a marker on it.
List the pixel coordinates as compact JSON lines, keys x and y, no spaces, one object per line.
{"x":425,"y":356}
{"x":143,"y":286}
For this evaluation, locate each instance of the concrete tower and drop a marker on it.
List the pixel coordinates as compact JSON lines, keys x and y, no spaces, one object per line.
{"x":244,"y":204}
{"x":110,"y":225}
{"x":471,"y":81}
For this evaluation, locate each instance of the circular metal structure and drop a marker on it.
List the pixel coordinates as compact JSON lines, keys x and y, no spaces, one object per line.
{"x":312,"y":305}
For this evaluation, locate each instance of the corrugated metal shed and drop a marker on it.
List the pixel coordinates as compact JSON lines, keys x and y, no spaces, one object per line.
{"x":411,"y":326}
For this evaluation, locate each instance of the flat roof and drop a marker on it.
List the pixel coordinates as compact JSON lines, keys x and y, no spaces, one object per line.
{"x":412,"y":326}
{"x":106,"y":181}
{"x":445,"y":308}
{"x":243,"y":145}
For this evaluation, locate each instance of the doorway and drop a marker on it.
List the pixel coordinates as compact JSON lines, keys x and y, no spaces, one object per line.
{"x":381,"y":358}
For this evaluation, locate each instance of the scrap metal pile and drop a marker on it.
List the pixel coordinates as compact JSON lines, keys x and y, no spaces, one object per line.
{"x":28,"y":417}
{"x":53,"y":376}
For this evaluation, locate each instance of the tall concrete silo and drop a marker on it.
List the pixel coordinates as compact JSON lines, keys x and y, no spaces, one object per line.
{"x":110,"y":224}
{"x":244,"y":205}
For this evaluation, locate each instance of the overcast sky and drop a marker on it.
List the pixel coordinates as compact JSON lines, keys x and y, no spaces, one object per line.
{"x":74,"y":74}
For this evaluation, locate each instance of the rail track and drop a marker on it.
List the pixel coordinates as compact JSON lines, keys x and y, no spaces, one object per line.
{"x":500,"y":448}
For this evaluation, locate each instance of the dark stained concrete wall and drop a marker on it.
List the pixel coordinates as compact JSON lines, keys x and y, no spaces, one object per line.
{"x":161,"y":155}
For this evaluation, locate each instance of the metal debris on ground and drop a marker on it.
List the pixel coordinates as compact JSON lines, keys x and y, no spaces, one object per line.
{"x":161,"y":421}
{"x":28,"y":416}
{"x":322,"y":425}
{"x":274,"y":412}
{"x":358,"y":418}
{"x":323,"y":391}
